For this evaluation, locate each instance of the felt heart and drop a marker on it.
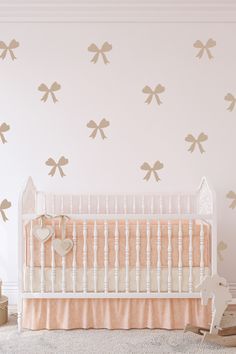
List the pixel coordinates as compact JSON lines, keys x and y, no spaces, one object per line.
{"x":43,"y":233}
{"x":62,"y":247}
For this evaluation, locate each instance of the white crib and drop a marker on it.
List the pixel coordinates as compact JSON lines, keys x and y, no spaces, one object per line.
{"x":85,"y":282}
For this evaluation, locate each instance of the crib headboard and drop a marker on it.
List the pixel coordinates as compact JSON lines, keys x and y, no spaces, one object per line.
{"x":199,"y":202}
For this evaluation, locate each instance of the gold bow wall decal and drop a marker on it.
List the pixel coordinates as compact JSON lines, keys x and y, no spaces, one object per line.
{"x":103,"y":124}
{"x":229,"y":97}
{"x":12,"y":45}
{"x":5,"y":204}
{"x":152,"y":170}
{"x":61,"y":162}
{"x":201,"y":138}
{"x":153,"y":93}
{"x":232,"y":195}
{"x":3,"y":129}
{"x":106,"y":47}
{"x":209,"y":44}
{"x":54,"y":87}
{"x":222,"y":246}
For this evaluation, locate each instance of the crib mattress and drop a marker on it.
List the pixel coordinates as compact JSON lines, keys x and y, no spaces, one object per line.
{"x":111,"y":279}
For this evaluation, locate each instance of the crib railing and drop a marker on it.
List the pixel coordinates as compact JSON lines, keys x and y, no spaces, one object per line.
{"x":154,"y":233}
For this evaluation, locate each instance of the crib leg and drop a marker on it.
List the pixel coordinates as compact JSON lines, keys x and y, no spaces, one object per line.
{"x":19,"y":314}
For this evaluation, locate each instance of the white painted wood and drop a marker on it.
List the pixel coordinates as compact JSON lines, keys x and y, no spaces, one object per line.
{"x":31,"y":256}
{"x":85,"y":257}
{"x":134,"y":204}
{"x":179,"y":204}
{"x":152,"y":205}
{"x":71,"y":204}
{"x":107,"y":204}
{"x":143,"y":205}
{"x":42,"y":280}
{"x":98,"y":205}
{"x":169,"y":258}
{"x":126,"y":256}
{"x":138,"y":244}
{"x":188,"y":204}
{"x":74,"y":262}
{"x":95,"y":255}
{"x":105,"y":256}
{"x":190,"y":281}
{"x":89,"y":204}
{"x":116,"y":205}
{"x":125,"y":204}
{"x":158,"y":256}
{"x":116,"y":256}
{"x":80,"y":204}
{"x":62,"y":205}
{"x":53,"y":269}
{"x":201,"y":251}
{"x":63,"y":274}
{"x":161,"y":204}
{"x":180,"y":252}
{"x":170,"y":204}
{"x":148,"y":255}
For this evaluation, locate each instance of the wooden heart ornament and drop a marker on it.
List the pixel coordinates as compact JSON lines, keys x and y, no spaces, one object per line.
{"x":62,"y":247}
{"x":43,"y":233}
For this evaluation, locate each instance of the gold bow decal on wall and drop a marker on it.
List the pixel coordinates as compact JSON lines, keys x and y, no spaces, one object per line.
{"x":232,"y":195}
{"x":106,"y":47}
{"x":222,"y":246}
{"x":3,"y":128}
{"x":201,"y":138}
{"x":152,"y":170}
{"x":61,"y":162}
{"x":12,"y":45}
{"x":5,"y":204}
{"x":209,"y":44}
{"x":54,"y":87}
{"x":103,"y":124}
{"x":153,"y":93}
{"x":229,"y":97}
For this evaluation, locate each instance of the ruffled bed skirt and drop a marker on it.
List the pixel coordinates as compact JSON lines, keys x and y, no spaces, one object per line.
{"x":114,"y":313}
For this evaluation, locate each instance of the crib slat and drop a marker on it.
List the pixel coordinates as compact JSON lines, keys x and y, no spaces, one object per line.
{"x":74,"y":269}
{"x":201,"y":251}
{"x":42,"y":280}
{"x":63,"y":260}
{"x":126,"y":256}
{"x":148,"y":254}
{"x":53,"y":269}
{"x":152,"y":205}
{"x":134,"y":204}
{"x":116,"y":205}
{"x":80,"y":204}
{"x":190,"y":256}
{"x":85,"y":256}
{"x":107,"y":204}
{"x":143,"y":205}
{"x":179,"y":204}
{"x":125,"y":204}
{"x":169,"y":261}
{"x":63,"y":274}
{"x":158,"y":256}
{"x":161,"y":204}
{"x":31,"y":256}
{"x":116,"y":257}
{"x":62,"y":204}
{"x":170,"y":204}
{"x":98,"y":204}
{"x":180,"y":263}
{"x":105,"y":257}
{"x":89,"y":203}
{"x":95,"y":259}
{"x":137,"y":257}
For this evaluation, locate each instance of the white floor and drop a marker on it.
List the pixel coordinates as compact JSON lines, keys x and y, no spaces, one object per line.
{"x":102,"y":341}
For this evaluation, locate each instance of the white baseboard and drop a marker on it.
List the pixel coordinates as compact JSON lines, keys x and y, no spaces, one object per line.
{"x":11,"y":291}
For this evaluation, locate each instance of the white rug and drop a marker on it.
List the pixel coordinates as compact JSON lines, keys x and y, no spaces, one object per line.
{"x":102,"y":341}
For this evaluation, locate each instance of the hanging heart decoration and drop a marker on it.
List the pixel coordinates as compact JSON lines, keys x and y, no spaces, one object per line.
{"x":41,"y":231}
{"x":62,"y":247}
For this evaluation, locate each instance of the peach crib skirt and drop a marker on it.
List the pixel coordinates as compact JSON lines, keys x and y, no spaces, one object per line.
{"x":114,"y":313}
